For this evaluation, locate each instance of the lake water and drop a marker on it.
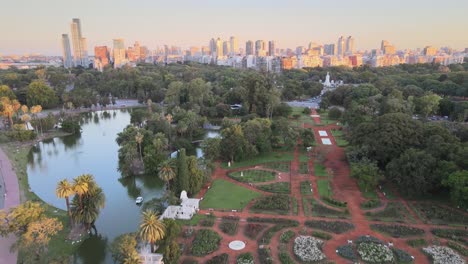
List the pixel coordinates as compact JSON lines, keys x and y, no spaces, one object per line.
{"x":94,"y":152}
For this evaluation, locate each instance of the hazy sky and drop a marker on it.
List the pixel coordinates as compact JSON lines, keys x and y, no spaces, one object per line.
{"x":28,"y":26}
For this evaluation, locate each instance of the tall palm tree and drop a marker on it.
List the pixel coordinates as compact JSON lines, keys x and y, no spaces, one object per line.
{"x":80,"y":187}
{"x":86,"y":208}
{"x":166,"y":171}
{"x":151,"y":229}
{"x":65,"y":190}
{"x":139,"y":140}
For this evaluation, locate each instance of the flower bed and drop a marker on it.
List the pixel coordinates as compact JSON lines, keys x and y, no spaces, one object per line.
{"x":368,"y":239}
{"x":334,"y":202}
{"x":371,"y":204}
{"x":453,"y":234}
{"x":420,"y":242}
{"x":397,"y":230}
{"x":285,"y":258}
{"x":229,"y":226}
{"x":252,"y":230}
{"x":308,"y":248}
{"x":205,"y":242}
{"x":306,"y":188}
{"x":220,"y":259}
{"x":322,"y":235}
{"x":286,"y":236}
{"x":375,"y":253}
{"x":245,"y":258}
{"x":264,"y":256}
{"x":277,"y":187}
{"x":320,"y":210}
{"x":277,"y":203}
{"x":270,"y":232}
{"x":443,"y":255}
{"x":402,"y":256}
{"x":347,"y":252}
{"x":437,"y":214}
{"x":461,"y":249}
{"x":252,"y":176}
{"x":393,"y":212}
{"x":336,"y":227}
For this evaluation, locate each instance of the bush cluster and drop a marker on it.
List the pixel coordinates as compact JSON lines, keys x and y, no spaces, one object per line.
{"x":229,"y":225}
{"x":416,"y":242}
{"x":264,"y":256}
{"x":277,"y":202}
{"x":397,"y":230}
{"x":252,"y":230}
{"x":402,"y":256}
{"x":370,"y":204}
{"x":286,"y":236}
{"x":220,"y":259}
{"x":245,"y":258}
{"x":334,"y":202}
{"x":336,"y":227}
{"x":463,"y":250}
{"x":453,"y":234}
{"x":205,"y":242}
{"x":347,"y":251}
{"x":322,"y":235}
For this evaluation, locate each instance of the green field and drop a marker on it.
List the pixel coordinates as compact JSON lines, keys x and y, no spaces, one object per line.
{"x":339,"y":138}
{"x":324,"y":188}
{"x":227,"y":195}
{"x":320,"y":170}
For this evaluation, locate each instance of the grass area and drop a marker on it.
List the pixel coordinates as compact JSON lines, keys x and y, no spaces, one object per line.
{"x":192,"y":222}
{"x":260,"y":159}
{"x":393,"y":212}
{"x":253,"y":176}
{"x":227,"y":195}
{"x":324,"y":188}
{"x":320,"y":170}
{"x":388,"y":192}
{"x":277,"y":187}
{"x":369,"y":194}
{"x":434,"y":213}
{"x":339,"y":138}
{"x":304,"y":167}
{"x":279,"y":166}
{"x":324,"y":119}
{"x":323,"y":211}
{"x":306,"y":188}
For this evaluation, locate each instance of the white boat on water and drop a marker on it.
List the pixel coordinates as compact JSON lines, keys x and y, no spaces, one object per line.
{"x":139,"y":200}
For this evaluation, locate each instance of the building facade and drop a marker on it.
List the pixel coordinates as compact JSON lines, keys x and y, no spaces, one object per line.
{"x":67,"y":56}
{"x":80,"y":53}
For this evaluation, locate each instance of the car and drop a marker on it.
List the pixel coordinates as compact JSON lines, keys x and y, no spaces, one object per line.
{"x":139,"y":200}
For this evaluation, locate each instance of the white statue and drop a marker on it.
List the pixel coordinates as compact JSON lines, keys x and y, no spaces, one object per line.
{"x":327,"y":80}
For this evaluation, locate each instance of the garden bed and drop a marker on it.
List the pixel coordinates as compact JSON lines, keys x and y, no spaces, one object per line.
{"x":308,"y":249}
{"x":371,"y":204}
{"x":279,"y":166}
{"x":419,"y":242}
{"x":205,"y":242}
{"x":397,"y":230}
{"x":452,"y":234}
{"x":278,"y":203}
{"x":320,"y":210}
{"x":253,"y":230}
{"x":439,"y":215}
{"x":306,"y":188}
{"x":304,"y":167}
{"x":229,"y":225}
{"x":253,"y":176}
{"x":277,"y":187}
{"x":336,"y":227}
{"x":245,"y":258}
{"x":220,"y":259}
{"x":393,"y":212}
{"x":443,"y":255}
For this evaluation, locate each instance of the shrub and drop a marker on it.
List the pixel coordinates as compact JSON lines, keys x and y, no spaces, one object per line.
{"x":277,"y":187}
{"x":397,"y":230}
{"x":308,"y":248}
{"x":264,"y":256}
{"x":416,"y":242}
{"x":334,"y":113}
{"x":252,"y":230}
{"x":453,"y":234}
{"x":463,"y":250}
{"x":370,"y":204}
{"x":220,"y":259}
{"x":375,"y":253}
{"x":322,"y":235}
{"x":321,"y":210}
{"x":276,"y":202}
{"x":437,"y":214}
{"x":333,"y":202}
{"x":22,"y":135}
{"x":347,"y":251}
{"x":208,"y":221}
{"x":285,"y":258}
{"x":205,"y":242}
{"x":368,"y":239}
{"x":306,"y":111}
{"x":229,"y":225}
{"x":442,"y":255}
{"x":71,"y":125}
{"x":336,"y":227}
{"x":245,"y":258}
{"x":286,"y":236}
{"x":402,"y":256}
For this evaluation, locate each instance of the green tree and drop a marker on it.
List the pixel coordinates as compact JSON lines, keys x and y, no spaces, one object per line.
{"x":458,"y":184}
{"x":182,"y":178}
{"x":211,"y":148}
{"x":234,"y":143}
{"x":151,"y":229}
{"x":5,"y":91}
{"x":167,"y":172}
{"x":123,"y":248}
{"x":196,"y":175}
{"x":64,"y":190}
{"x":427,"y":104}
{"x":367,"y":173}
{"x":39,"y":93}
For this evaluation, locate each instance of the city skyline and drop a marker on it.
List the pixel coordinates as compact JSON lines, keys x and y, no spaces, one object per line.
{"x":184,"y":23}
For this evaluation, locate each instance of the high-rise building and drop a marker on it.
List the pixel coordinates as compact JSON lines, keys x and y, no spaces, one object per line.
{"x":219,"y":47}
{"x":329,"y":49}
{"x":101,"y":57}
{"x":67,"y":56}
{"x":430,"y":51}
{"x":341,"y":47}
{"x":300,"y":50}
{"x":212,"y":47}
{"x":137,"y":51}
{"x":80,"y":53}
{"x":383,"y":44}
{"x":234,"y":44}
{"x":349,"y":46}
{"x":226,"y":48}
{"x":260,"y":48}
{"x":249,"y":48}
{"x":271,"y":48}
{"x":119,"y":53}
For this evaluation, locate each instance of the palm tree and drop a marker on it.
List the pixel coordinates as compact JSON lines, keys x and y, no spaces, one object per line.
{"x":87,"y":207}
{"x":151,"y":229}
{"x":65,"y":190}
{"x":167,"y":171}
{"x":80,"y":187}
{"x":139,"y":139}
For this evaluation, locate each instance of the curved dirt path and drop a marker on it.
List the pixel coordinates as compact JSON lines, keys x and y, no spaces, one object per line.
{"x":11,"y":198}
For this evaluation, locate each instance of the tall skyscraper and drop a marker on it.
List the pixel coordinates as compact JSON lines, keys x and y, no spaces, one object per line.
{"x":330,"y":49}
{"x":341,"y":46}
{"x":101,"y":57}
{"x":234,"y":45}
{"x":260,"y":48}
{"x":350,"y":45}
{"x":212,"y":47}
{"x":80,"y":53}
{"x":226,"y":48}
{"x":271,"y":48}
{"x":219,"y":47}
{"x":383,"y":44}
{"x":67,"y":56}
{"x":119,"y":53}
{"x":249,"y":48}
{"x":137,"y":51}
{"x":430,"y":51}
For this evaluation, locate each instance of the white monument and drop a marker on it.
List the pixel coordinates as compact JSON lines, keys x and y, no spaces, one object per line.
{"x":187,"y":208}
{"x":327,"y":82}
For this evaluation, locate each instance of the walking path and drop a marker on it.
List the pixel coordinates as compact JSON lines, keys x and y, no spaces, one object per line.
{"x":10,"y":198}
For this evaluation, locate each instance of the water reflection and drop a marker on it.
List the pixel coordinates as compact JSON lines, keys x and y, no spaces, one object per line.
{"x":92,"y":250}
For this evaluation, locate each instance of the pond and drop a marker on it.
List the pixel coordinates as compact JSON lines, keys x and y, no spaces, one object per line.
{"x":94,"y":152}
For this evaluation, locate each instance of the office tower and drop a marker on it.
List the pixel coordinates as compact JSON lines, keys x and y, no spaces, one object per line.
{"x":219,"y":48}
{"x":119,"y":53}
{"x":271,"y":48}
{"x":330,"y":49}
{"x":387,"y":48}
{"x":383,"y":44}
{"x":249,"y":48}
{"x":80,"y":54}
{"x":101,"y":57}
{"x":349,"y":45}
{"x":260,"y":48}
{"x":226,"y":48}
{"x":143,"y":53}
{"x":300,"y":50}
{"x":212,"y":47}
{"x":234,"y":44}
{"x":430,"y":51}
{"x":137,"y":51}
{"x":67,"y":56}
{"x":205,"y":50}
{"x":341,"y":47}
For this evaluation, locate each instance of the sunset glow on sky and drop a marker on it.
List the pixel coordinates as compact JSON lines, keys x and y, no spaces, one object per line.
{"x":31,"y":26}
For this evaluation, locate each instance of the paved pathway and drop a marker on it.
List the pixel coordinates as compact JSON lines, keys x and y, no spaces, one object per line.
{"x":11,"y":199}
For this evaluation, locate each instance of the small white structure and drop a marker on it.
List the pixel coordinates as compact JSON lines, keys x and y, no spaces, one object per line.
{"x":237,"y":245}
{"x":147,"y":257}
{"x":327,"y":82}
{"x":326,"y":141}
{"x":187,"y":208}
{"x":323,"y":133}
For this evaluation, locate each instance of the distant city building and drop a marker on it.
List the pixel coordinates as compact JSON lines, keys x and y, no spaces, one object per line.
{"x":80,"y":53}
{"x":219,"y":48}
{"x":349,"y":45}
{"x":119,"y":53}
{"x":300,"y":50}
{"x":430,"y":51}
{"x":383,"y":44}
{"x":341,"y":47}
{"x":260,"y":48}
{"x":101,"y":57}
{"x":234,"y":45}
{"x":249,"y":48}
{"x":226,"y":48}
{"x":271,"y":48}
{"x":329,"y":49}
{"x":212,"y":46}
{"x":67,"y":56}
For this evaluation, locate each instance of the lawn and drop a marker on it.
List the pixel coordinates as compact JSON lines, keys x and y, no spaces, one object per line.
{"x":324,"y":188}
{"x":370,"y":194}
{"x":279,"y":166}
{"x":320,"y":170}
{"x":304,"y":167}
{"x":252,"y":176}
{"x":263,"y":158}
{"x":277,"y":187}
{"x":324,"y":119}
{"x":227,"y":195}
{"x":338,"y":135}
